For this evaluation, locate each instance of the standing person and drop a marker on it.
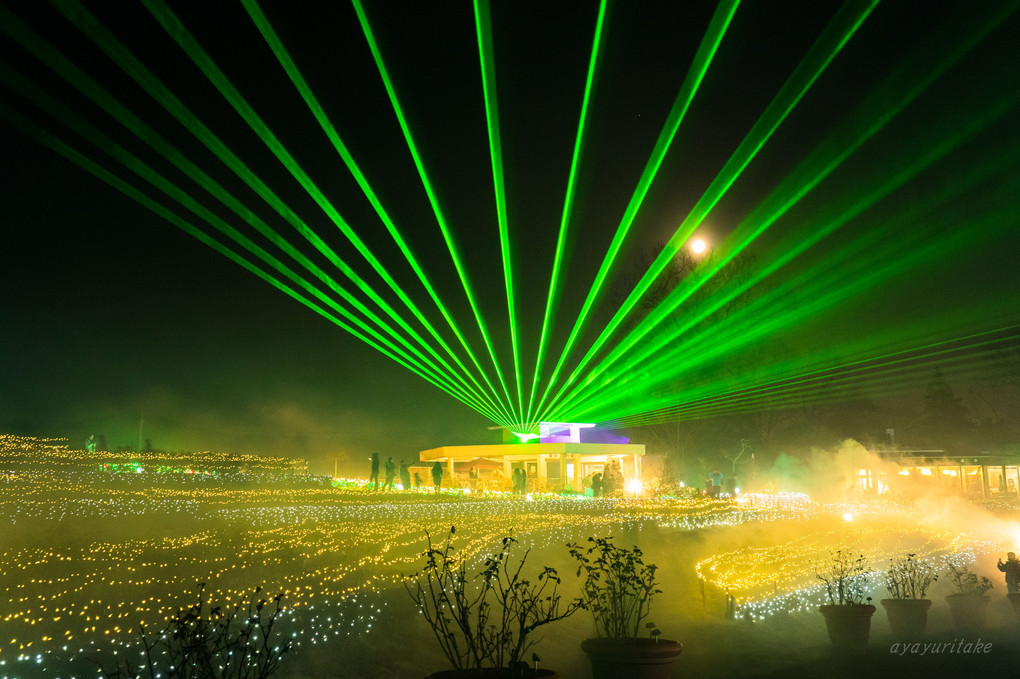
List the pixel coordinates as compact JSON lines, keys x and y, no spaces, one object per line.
{"x":716,"y":477}
{"x":596,"y":485}
{"x":375,"y":471}
{"x":473,"y":478}
{"x":615,"y":476}
{"x":391,"y":471}
{"x":405,"y":476}
{"x":608,"y":480}
{"x":437,"y":475}
{"x":1012,"y":570}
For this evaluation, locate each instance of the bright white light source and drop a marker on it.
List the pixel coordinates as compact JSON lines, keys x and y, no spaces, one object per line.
{"x":698,"y":246}
{"x":848,"y":517}
{"x":633,"y":486}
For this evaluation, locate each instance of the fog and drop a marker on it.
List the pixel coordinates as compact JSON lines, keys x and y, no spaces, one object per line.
{"x":88,"y":553}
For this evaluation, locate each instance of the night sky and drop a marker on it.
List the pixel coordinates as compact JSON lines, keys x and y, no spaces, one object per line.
{"x":109,"y":314}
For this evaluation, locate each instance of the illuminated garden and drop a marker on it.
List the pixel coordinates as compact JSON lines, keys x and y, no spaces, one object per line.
{"x":763,"y":237}
{"x":95,"y":549}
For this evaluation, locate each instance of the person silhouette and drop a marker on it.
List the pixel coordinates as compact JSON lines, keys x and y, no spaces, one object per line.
{"x":391,"y":472}
{"x":1012,"y":570}
{"x":437,"y":475}
{"x":405,"y":476}
{"x":375,"y":471}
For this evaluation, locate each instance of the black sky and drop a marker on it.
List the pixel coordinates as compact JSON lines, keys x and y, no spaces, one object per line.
{"x":110,"y":314}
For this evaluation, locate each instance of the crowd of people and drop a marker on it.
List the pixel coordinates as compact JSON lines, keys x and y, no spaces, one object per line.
{"x":391,"y":472}
{"x":608,"y":481}
{"x":597,"y":484}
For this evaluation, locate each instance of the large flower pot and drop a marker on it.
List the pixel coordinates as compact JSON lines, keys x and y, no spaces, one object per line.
{"x":849,"y":626}
{"x":631,"y":658}
{"x":494,"y":673}
{"x":908,"y":618}
{"x":969,"y":610}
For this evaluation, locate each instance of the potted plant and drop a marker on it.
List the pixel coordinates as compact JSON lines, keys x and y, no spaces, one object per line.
{"x":847,"y":616}
{"x":483,"y":623}
{"x":968,"y":604}
{"x":618,"y":588}
{"x":907,"y":580}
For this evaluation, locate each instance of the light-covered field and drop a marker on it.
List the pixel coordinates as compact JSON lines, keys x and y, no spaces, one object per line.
{"x":90,"y":553}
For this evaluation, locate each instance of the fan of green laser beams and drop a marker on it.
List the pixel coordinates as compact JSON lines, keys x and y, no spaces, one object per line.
{"x":81,"y":81}
{"x":832,"y":40}
{"x":861,"y":378}
{"x":444,"y":227}
{"x":257,"y":16}
{"x":87,"y":164}
{"x":799,"y":301}
{"x":631,"y":379}
{"x":953,"y":133}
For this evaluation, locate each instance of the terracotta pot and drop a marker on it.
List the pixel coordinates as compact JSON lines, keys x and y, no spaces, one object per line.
{"x":631,"y":658}
{"x":494,"y":673}
{"x":908,"y":618}
{"x":849,"y":626}
{"x":969,"y":610}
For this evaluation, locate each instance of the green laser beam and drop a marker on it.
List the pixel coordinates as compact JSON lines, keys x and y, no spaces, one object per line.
{"x":852,"y":271}
{"x":483,"y":27}
{"x":287,"y":63}
{"x":813,"y":387}
{"x":659,"y":363}
{"x":568,"y":204}
{"x":839,"y":31}
{"x":105,"y":40}
{"x":699,"y":66}
{"x":798,"y":183}
{"x":200,"y":58}
{"x":120,"y":154}
{"x":444,"y":228}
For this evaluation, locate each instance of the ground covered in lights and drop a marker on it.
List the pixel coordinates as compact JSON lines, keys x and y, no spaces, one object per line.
{"x":93,"y":549}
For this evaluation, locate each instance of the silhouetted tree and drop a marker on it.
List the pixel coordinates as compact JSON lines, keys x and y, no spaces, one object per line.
{"x":946,"y":421}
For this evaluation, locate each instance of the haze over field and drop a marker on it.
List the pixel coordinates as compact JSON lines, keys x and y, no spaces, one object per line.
{"x":94,"y":547}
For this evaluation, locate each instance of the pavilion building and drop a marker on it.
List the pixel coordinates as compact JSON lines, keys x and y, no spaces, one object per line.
{"x":558,"y":458}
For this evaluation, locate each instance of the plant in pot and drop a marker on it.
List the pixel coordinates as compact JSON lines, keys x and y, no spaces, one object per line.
{"x":907,"y":580}
{"x":969,"y":603}
{"x":847,"y":616}
{"x":618,"y":587}
{"x":484,"y":622}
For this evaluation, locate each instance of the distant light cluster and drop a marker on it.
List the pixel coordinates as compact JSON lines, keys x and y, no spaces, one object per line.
{"x":15,"y":450}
